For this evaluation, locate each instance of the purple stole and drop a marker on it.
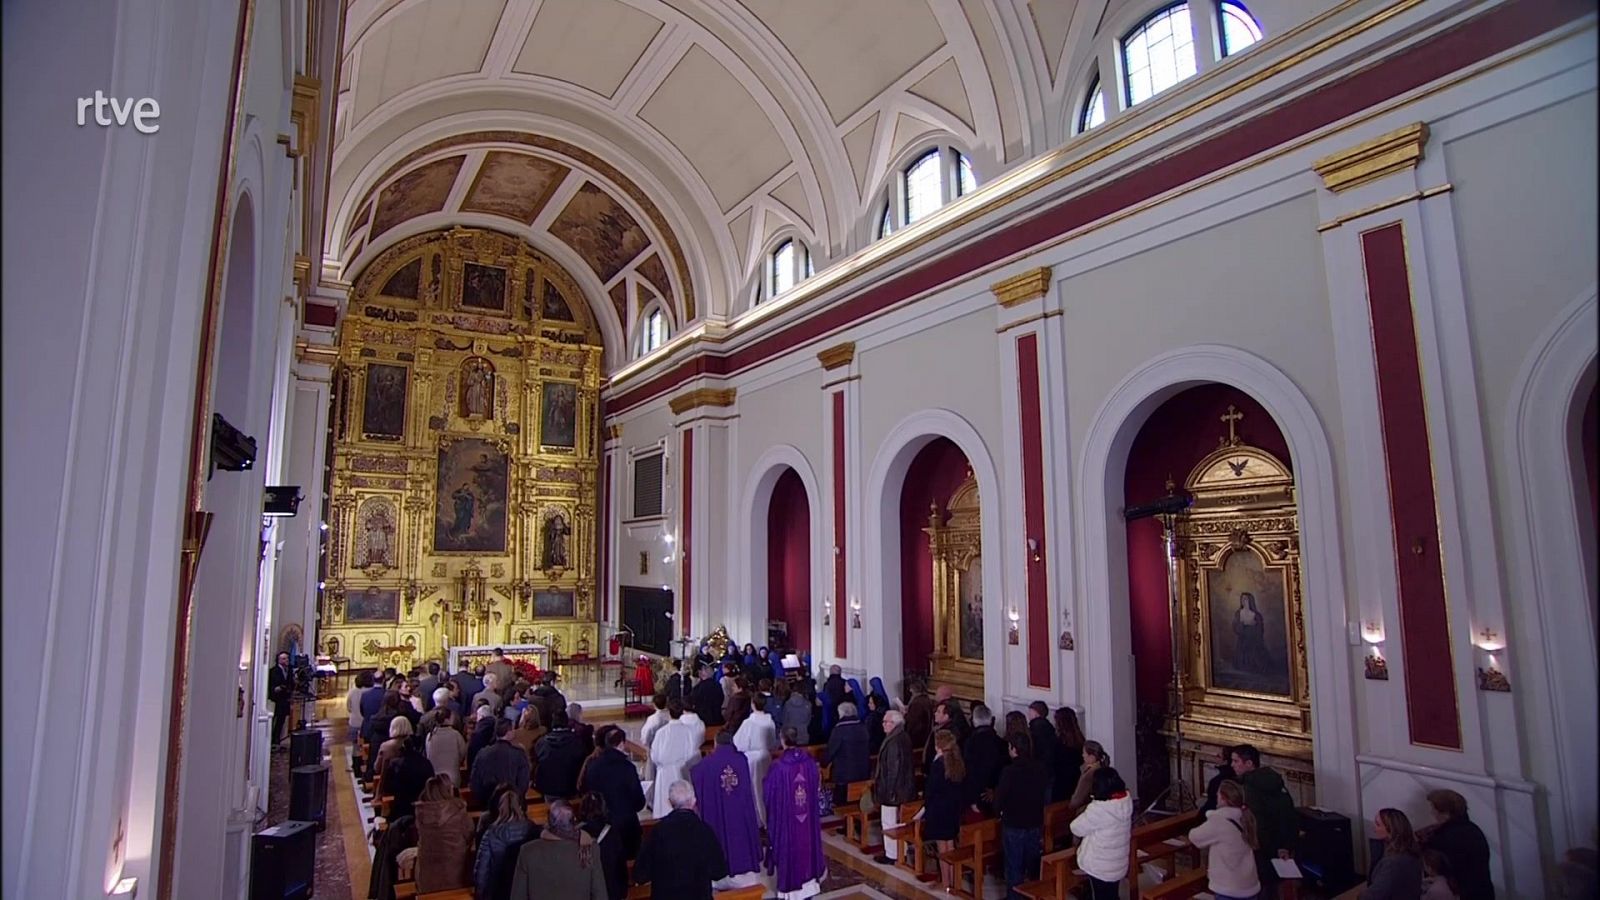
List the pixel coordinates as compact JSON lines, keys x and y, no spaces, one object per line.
{"x":794,"y":826}
{"x":725,"y":797}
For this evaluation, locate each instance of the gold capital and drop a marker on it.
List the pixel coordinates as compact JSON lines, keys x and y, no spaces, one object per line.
{"x":838,"y":355}
{"x":1022,"y":288}
{"x":1369,"y":161}
{"x":701,"y":397}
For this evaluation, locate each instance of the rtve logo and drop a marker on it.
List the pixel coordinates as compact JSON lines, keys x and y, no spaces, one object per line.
{"x":144,"y":112}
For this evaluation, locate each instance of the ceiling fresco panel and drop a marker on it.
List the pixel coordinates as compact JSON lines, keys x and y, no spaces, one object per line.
{"x":600,"y":230}
{"x":514,"y":185}
{"x":421,"y":191}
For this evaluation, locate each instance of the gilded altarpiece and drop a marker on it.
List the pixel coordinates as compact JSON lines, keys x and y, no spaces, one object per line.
{"x":955,"y":540}
{"x":1242,"y":674}
{"x":465,"y":455}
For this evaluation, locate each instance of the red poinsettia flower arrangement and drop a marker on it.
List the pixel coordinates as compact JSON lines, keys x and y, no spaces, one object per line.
{"x":526,"y":670}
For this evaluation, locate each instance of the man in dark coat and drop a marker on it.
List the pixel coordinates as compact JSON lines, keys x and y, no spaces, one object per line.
{"x":895,"y":783}
{"x":1277,"y":825}
{"x":280,"y":688}
{"x":1461,"y":841}
{"x":500,"y":762}
{"x":470,"y":685}
{"x":549,"y":700}
{"x":1042,"y":733}
{"x":615,"y":778}
{"x":681,"y":858}
{"x":561,"y":755}
{"x":835,"y":691}
{"x":848,"y":756}
{"x":405,"y":778}
{"x":919,"y":715}
{"x":426,"y":685}
{"x":1224,"y":773}
{"x":707,"y":697}
{"x":986,"y":755}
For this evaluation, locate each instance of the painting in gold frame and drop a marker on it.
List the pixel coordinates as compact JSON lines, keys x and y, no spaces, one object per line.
{"x":955,"y":540}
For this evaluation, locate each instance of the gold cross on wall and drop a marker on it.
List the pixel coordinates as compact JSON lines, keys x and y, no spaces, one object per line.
{"x":1231,"y":418}
{"x":1488,"y":635}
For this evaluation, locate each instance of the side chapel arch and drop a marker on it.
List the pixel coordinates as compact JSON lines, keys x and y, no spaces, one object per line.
{"x":1101,"y":550}
{"x":754,"y":507}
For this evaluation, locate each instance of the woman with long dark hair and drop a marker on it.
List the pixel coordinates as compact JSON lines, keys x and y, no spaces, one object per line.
{"x":944,"y":801}
{"x":1068,"y":758}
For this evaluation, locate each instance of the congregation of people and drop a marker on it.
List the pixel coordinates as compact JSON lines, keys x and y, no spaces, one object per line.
{"x":741,"y":761}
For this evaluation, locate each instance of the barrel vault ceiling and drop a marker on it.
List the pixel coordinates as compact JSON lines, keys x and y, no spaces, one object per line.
{"x":657,"y":147}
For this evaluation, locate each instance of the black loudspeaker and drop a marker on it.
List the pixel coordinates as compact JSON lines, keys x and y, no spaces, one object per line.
{"x":308,"y":795}
{"x":305,"y":748}
{"x":283,"y":862}
{"x":1326,"y":854}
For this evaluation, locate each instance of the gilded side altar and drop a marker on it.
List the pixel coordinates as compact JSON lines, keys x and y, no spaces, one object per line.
{"x":465,"y":447}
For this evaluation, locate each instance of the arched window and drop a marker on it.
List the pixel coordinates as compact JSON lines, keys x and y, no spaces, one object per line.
{"x":932,"y":178}
{"x":923,"y":191}
{"x":1158,"y":53}
{"x":1239,"y":28}
{"x":780,"y":268}
{"x":652,"y":330}
{"x":788,"y":264}
{"x":1094,"y":107}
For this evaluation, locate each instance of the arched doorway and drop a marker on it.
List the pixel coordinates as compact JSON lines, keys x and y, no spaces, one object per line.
{"x":936,"y":473}
{"x":788,"y":573}
{"x":1178,"y":435}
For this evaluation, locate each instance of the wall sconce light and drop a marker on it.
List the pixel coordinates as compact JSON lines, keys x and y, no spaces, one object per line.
{"x":127,"y":887}
{"x":855,"y":612}
{"x":1490,"y":675}
{"x":1033,"y":550}
{"x":827,"y":611}
{"x":1377,"y":668}
{"x":1065,"y":642}
{"x":668,"y":537}
{"x":1014,"y":633}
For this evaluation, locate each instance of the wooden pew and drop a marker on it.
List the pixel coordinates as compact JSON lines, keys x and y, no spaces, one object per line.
{"x":452,"y":894}
{"x":977,"y":846}
{"x":1180,"y":888}
{"x":1056,"y":819}
{"x":908,"y":834}
{"x":753,"y":892}
{"x":855,"y":823}
{"x":1058,"y":874}
{"x":1150,"y":843}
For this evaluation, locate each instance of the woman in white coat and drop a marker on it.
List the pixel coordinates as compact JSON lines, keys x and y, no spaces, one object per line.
{"x":756,"y":738}
{"x":1106,"y":829}
{"x":1228,"y":835}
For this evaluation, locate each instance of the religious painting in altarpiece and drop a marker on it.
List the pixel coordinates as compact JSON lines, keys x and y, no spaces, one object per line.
{"x":955,"y":539}
{"x":1242,"y":654}
{"x":463,"y":476}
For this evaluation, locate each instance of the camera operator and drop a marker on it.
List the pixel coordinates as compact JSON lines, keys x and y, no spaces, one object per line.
{"x":280,"y":690}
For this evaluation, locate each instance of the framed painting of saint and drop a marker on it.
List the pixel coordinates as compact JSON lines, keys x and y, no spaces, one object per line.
{"x":383,"y":410}
{"x":1249,"y":626}
{"x":372,"y":606}
{"x":470,"y":511}
{"x":554,"y":604}
{"x":483,"y":287}
{"x":969,"y":611}
{"x":558,"y":414}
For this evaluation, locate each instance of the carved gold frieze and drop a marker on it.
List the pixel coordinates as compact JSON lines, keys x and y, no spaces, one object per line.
{"x":717,"y":397}
{"x":838,"y":355}
{"x":1021,"y":288}
{"x":1369,"y":161}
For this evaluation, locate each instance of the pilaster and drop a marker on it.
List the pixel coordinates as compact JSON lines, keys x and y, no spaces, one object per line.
{"x":703,"y":420}
{"x":850,"y":617}
{"x":1034,"y":435}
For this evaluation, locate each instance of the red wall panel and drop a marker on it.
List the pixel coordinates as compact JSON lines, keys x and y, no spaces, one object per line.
{"x":1038,"y":583}
{"x":841,"y":601}
{"x":686,"y":539}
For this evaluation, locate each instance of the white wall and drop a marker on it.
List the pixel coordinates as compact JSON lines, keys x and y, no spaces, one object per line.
{"x":108,"y":241}
{"x":1246,"y":265}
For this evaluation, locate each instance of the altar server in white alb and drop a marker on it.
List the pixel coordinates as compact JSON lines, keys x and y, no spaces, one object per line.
{"x":756,"y":739}
{"x":673,"y":751}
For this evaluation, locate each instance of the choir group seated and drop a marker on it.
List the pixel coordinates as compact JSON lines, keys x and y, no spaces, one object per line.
{"x":487,"y":785}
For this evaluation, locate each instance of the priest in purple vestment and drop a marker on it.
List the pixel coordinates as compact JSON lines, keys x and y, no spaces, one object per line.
{"x":727,"y":802}
{"x":794,"y":823}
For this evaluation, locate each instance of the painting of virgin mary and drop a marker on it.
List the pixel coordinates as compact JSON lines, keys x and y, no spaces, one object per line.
{"x":1249,"y":626}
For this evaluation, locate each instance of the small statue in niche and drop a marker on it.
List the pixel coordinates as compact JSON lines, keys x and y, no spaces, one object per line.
{"x":477,"y":389}
{"x":555,"y":541}
{"x":378,"y":529}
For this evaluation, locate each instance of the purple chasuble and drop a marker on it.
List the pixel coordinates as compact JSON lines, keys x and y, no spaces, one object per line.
{"x":794,"y":826}
{"x":725,"y":797}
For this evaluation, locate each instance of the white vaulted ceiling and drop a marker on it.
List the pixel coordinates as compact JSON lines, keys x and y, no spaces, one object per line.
{"x":709,"y":125}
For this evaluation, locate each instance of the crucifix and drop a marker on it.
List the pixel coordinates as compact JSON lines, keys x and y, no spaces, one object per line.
{"x":1231,"y":418}
{"x":1488,"y":635}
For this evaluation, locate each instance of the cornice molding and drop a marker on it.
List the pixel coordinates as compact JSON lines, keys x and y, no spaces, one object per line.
{"x":319,"y":354}
{"x":701,"y":397}
{"x":838,"y":355}
{"x":1029,"y":285}
{"x":1369,"y":161}
{"x":613,"y":431}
